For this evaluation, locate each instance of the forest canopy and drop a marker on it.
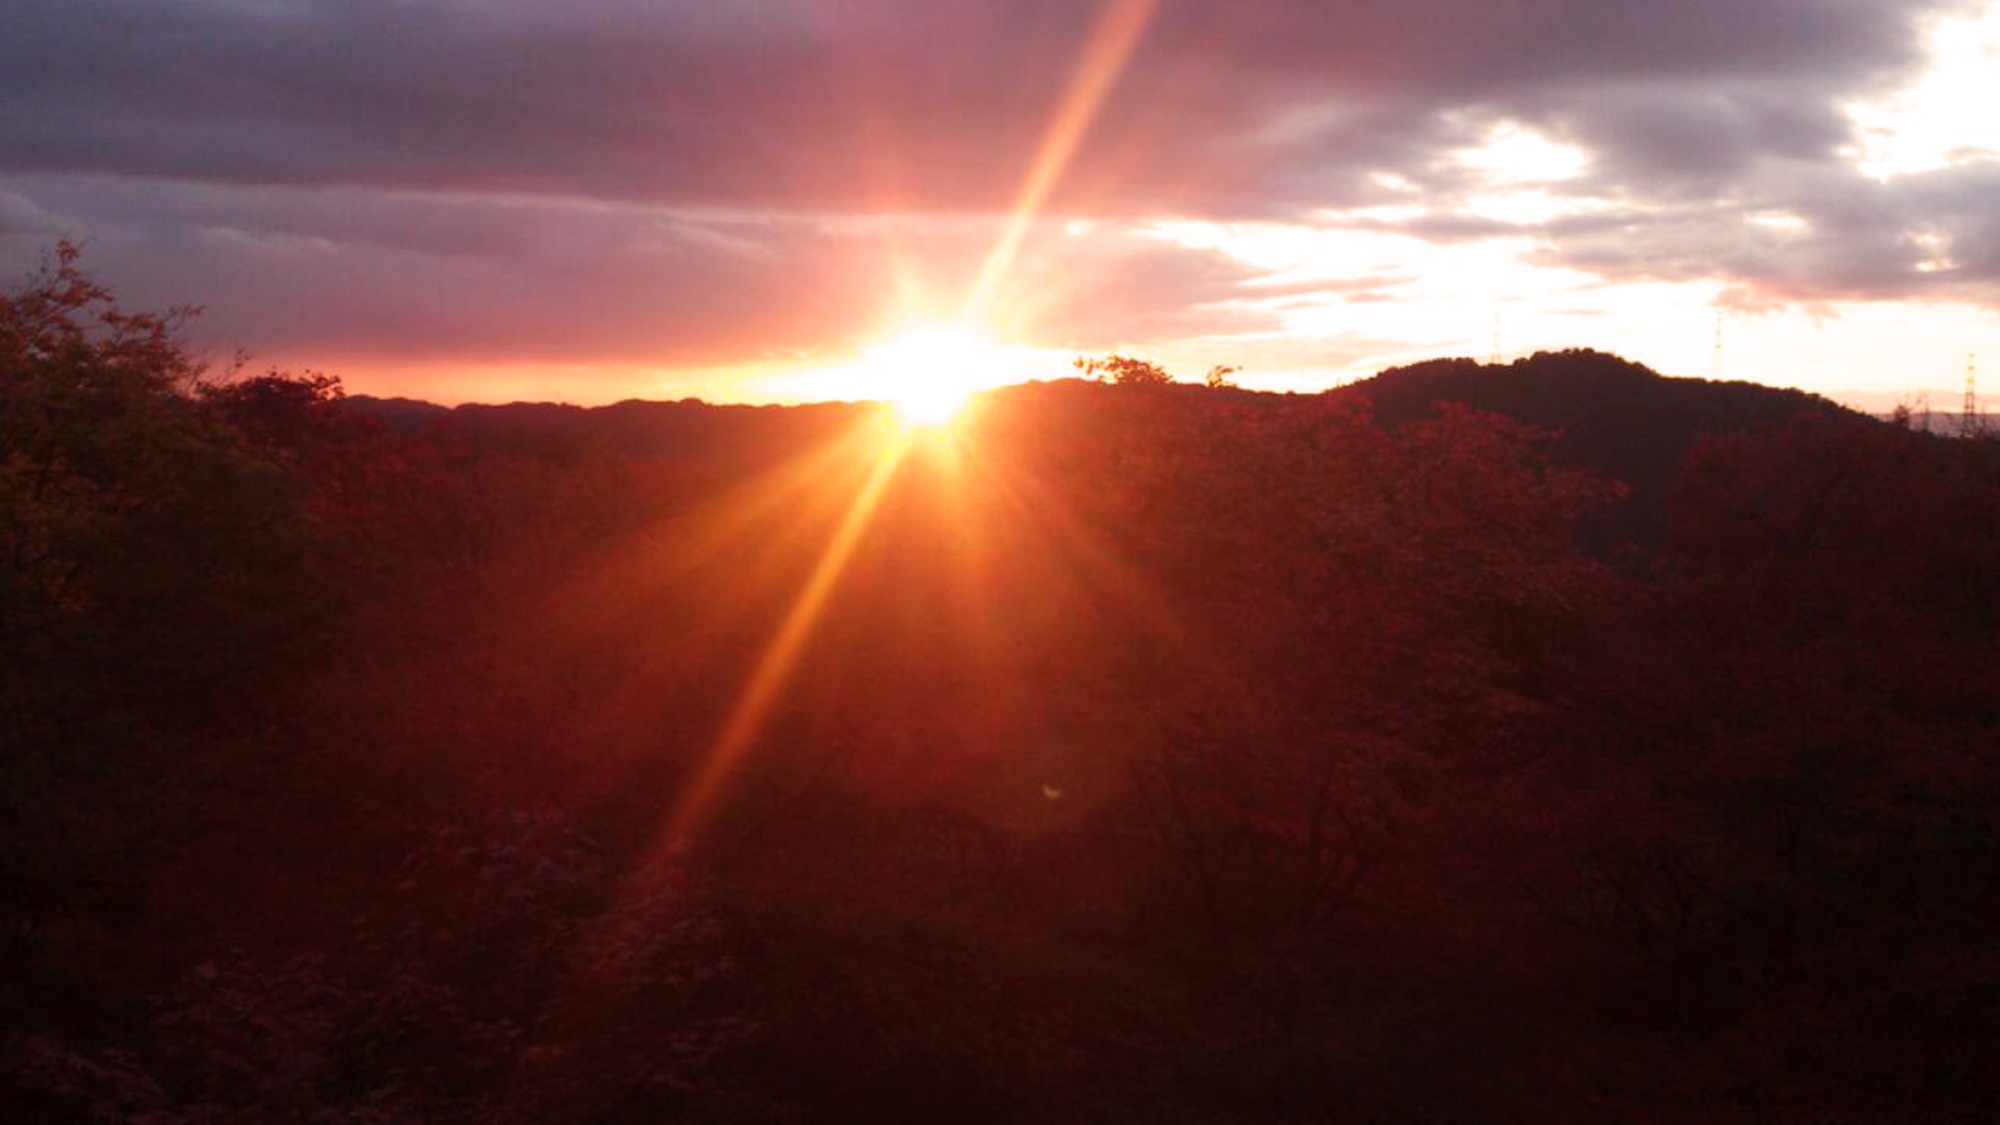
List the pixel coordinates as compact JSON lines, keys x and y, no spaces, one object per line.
{"x":1177,"y":755}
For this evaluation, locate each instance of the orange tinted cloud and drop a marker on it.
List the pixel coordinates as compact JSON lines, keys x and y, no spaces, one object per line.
{"x":685,"y":185}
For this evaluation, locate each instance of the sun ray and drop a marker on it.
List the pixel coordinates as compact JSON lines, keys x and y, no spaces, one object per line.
{"x":929,"y":384}
{"x":1119,"y":28}
{"x":781,"y":656}
{"x":1124,"y":586}
{"x":743,"y":529}
{"x":601,"y":597}
{"x":928,"y":373}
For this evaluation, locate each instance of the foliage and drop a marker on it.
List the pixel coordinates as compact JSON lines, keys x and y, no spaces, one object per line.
{"x":152,"y":566}
{"x":1617,"y":417}
{"x":147,"y":552}
{"x":437,"y":1005}
{"x":1123,"y":370}
{"x":1166,"y":756}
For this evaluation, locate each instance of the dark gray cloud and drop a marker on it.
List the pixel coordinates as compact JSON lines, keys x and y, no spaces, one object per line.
{"x":1253,"y":105}
{"x":21,"y":218}
{"x":354,"y":272}
{"x":1829,"y":235}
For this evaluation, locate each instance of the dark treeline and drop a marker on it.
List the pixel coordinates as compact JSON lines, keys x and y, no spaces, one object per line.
{"x":1617,"y":417}
{"x":1129,"y":753}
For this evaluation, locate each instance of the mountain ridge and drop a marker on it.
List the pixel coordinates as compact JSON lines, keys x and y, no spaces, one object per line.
{"x":1603,"y":412}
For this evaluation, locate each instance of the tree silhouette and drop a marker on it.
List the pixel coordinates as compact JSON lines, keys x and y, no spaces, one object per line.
{"x":1124,"y":371}
{"x":149,"y":521}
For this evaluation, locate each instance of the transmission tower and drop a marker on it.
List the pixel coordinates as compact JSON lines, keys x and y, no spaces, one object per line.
{"x":1968,"y":422}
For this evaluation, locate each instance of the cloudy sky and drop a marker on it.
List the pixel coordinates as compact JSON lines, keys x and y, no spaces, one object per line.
{"x":600,"y":199}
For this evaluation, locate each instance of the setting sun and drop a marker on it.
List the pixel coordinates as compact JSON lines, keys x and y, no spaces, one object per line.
{"x":928,"y":373}
{"x":897,"y":560}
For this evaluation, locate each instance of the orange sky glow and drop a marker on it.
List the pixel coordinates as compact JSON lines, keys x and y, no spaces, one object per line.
{"x":799,"y":201}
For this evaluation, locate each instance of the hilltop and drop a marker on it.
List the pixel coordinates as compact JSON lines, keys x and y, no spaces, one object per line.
{"x":1620,"y":418}
{"x":687,"y":431}
{"x":1604,"y":413}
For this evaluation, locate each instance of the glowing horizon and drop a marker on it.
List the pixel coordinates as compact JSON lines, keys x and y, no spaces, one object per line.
{"x":927,"y":372}
{"x":1278,"y":193}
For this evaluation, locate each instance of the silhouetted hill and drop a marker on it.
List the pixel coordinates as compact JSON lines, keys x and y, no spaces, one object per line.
{"x":1613,"y":415}
{"x":1609,"y":414}
{"x":400,"y":413}
{"x":689,"y":430}
{"x":1140,"y":753}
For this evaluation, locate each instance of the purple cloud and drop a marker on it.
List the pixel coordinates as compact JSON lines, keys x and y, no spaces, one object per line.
{"x":692,"y":183}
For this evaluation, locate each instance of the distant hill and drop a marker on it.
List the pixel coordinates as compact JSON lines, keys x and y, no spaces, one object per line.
{"x":1618,"y":417}
{"x":724,"y":436}
{"x":1610,"y":414}
{"x":401,"y":413}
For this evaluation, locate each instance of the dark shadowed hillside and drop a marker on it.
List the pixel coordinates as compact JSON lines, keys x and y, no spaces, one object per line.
{"x":1610,"y":414}
{"x":1619,"y":418}
{"x":1121,"y":753}
{"x":689,"y":431}
{"x":1603,"y":412}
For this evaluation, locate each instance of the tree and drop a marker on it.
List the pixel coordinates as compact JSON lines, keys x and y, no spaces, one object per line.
{"x":1218,"y":377}
{"x":152,"y":566}
{"x":276,"y":411}
{"x":148,"y":522}
{"x":1124,"y":370}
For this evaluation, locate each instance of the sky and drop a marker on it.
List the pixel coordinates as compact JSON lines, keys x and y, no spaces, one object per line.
{"x":768,"y":200}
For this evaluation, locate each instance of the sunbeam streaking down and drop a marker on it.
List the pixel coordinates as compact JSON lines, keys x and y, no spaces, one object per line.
{"x":774,"y":668}
{"x":1113,"y":39}
{"x":1117,"y":34}
{"x":755,"y":530}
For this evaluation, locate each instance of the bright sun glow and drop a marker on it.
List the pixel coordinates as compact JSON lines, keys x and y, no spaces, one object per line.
{"x":928,"y":373}
{"x":1937,"y":122}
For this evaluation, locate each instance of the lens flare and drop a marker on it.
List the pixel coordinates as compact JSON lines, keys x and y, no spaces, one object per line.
{"x":928,"y":373}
